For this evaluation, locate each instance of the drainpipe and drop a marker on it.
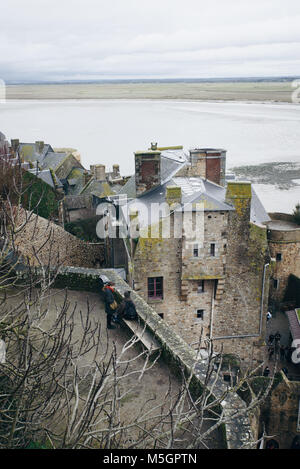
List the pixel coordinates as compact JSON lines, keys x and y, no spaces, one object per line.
{"x":262,"y":298}
{"x":261,"y":315}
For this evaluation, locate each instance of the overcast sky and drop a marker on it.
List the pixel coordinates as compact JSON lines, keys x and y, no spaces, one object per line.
{"x":97,"y":39}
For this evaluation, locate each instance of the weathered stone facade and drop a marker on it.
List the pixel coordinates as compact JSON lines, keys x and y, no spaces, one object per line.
{"x":284,"y":244}
{"x":216,"y":288}
{"x":239,"y":316}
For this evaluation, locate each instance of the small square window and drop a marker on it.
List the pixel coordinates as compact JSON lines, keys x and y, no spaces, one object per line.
{"x":200,"y":313}
{"x":278,"y":257}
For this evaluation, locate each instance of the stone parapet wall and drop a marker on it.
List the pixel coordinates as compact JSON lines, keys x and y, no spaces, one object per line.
{"x":42,"y":242}
{"x":175,"y":350}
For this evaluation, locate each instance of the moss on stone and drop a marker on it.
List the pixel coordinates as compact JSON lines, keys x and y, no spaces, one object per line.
{"x":239,"y":190}
{"x":258,"y":246}
{"x":27,"y":151}
{"x":75,"y":174}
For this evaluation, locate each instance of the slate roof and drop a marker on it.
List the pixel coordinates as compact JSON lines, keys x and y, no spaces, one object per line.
{"x":193,"y":189}
{"x":294,"y":324}
{"x":129,"y":188}
{"x":258,"y":213}
{"x":46,"y":176}
{"x":31,"y":153}
{"x":97,"y":188}
{"x":52,"y":160}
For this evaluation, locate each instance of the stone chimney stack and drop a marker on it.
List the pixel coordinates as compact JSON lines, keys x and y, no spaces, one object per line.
{"x":239,"y":195}
{"x":15,"y":145}
{"x":99,"y":172}
{"x":208,"y":163}
{"x":147,"y":170}
{"x":40,"y":146}
{"x":116,"y":171}
{"x":173,"y":195}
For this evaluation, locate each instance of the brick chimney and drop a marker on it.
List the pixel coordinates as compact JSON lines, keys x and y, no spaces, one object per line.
{"x":147,"y":170}
{"x":208,"y":163}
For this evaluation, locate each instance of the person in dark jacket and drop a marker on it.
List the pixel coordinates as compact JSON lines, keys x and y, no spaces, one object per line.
{"x":127,"y":307}
{"x":109,"y":299}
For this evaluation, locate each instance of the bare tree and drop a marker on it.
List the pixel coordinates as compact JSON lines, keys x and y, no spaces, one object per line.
{"x":64,"y":383}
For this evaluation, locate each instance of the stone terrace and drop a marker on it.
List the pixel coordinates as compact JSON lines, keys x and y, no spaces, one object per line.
{"x":175,"y":351}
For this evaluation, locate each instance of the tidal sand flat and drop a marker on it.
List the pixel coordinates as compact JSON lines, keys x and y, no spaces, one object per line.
{"x":278,"y":91}
{"x":109,"y":131}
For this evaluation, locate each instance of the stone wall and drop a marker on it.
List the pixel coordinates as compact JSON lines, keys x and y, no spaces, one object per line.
{"x":239,"y":314}
{"x":237,"y":430}
{"x":285,"y":242}
{"x":233,"y":313}
{"x":280,"y":412}
{"x":171,"y":259}
{"x":42,"y":242}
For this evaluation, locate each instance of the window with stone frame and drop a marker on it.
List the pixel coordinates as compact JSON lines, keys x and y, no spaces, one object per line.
{"x":200,"y":313}
{"x":196,"y":250}
{"x":212,"y":249}
{"x":278,"y":257}
{"x":155,"y":288}
{"x":200,"y":286}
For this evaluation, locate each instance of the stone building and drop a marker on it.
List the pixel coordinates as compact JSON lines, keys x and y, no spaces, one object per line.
{"x":211,"y":282}
{"x":284,"y":245}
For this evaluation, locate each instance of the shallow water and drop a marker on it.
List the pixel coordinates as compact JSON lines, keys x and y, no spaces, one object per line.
{"x":109,"y":131}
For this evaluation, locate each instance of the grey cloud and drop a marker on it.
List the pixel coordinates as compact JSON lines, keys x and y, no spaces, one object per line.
{"x":46,"y":40}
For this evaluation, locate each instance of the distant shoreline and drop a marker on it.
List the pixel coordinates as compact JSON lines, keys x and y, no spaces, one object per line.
{"x":256,"y":91}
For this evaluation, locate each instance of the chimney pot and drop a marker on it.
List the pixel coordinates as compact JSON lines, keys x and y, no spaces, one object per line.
{"x":99,"y":172}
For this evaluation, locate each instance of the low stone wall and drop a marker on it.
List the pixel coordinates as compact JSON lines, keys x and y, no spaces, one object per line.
{"x":237,"y":430}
